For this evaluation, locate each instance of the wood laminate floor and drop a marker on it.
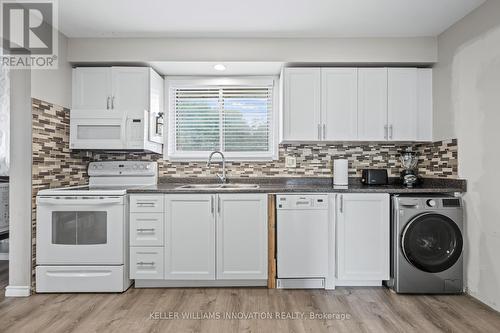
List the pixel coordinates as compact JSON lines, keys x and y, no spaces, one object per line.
{"x":367,"y":310}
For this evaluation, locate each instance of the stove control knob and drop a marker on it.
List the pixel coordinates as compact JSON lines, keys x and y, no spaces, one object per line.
{"x":431,"y":203}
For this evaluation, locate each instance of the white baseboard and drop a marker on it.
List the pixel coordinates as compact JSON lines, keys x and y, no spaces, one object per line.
{"x":17,"y":291}
{"x":142,"y":283}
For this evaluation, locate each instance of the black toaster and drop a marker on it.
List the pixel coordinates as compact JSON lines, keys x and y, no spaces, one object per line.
{"x":374,"y":177}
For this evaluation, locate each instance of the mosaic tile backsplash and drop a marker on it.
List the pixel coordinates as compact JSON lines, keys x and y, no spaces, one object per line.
{"x":316,"y":160}
{"x":54,"y":165}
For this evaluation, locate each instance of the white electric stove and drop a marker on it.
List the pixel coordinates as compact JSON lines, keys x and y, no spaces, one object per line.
{"x":82,"y":231}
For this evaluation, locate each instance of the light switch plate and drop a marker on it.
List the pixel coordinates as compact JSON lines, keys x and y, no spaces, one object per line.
{"x":290,"y":161}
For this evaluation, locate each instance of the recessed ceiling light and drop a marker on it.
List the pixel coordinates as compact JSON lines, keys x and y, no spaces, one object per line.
{"x":220,"y":67}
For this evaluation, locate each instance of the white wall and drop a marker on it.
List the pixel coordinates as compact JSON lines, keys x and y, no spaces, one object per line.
{"x":347,"y":50}
{"x":54,"y":86}
{"x":467,"y":106}
{"x":20,"y":185}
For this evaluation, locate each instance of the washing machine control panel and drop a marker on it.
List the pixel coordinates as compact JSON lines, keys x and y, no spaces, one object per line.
{"x":431,"y":203}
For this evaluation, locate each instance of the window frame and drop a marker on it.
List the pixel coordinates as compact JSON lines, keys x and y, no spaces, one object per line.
{"x":171,"y":154}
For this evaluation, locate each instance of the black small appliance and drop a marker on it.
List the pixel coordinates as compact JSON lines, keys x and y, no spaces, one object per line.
{"x":374,"y":176}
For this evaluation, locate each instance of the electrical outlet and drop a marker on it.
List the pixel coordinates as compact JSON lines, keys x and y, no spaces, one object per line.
{"x":290,"y":161}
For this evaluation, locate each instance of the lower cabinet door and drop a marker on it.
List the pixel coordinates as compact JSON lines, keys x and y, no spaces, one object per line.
{"x":146,"y":263}
{"x":190,"y":237}
{"x":363,"y":229}
{"x":241,"y":236}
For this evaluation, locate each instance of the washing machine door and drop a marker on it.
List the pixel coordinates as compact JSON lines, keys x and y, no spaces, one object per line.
{"x":432,"y":242}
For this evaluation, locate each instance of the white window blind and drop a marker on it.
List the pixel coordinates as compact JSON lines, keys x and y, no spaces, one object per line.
{"x":237,"y":120}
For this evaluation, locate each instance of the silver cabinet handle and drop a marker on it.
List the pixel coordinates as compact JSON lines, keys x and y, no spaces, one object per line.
{"x":324,"y":131}
{"x":386,"y":132}
{"x":212,"y":204}
{"x":146,"y":230}
{"x":145,"y":204}
{"x":142,"y":263}
{"x":107,"y":103}
{"x":341,"y":203}
{"x":390,"y":132}
{"x":218,"y":204}
{"x":112,"y":102}
{"x":319,"y":131}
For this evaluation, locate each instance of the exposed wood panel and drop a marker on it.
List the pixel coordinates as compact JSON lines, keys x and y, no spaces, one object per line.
{"x":271,"y":213}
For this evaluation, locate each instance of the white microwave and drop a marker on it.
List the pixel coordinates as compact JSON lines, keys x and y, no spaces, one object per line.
{"x":112,"y":130}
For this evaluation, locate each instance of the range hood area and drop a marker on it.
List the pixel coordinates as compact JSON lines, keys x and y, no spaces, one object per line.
{"x":117,"y":109}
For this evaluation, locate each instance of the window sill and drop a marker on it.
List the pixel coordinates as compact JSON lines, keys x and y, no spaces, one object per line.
{"x":218,"y":159}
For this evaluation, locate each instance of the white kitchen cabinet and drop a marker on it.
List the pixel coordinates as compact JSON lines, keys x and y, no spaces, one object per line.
{"x":357,"y":104}
{"x":402,"y":92}
{"x":372,"y":104}
{"x":363,"y":237}
{"x":301,"y":118}
{"x":146,"y":229}
{"x":190,"y":237}
{"x":146,"y":263}
{"x":92,"y":88}
{"x":241,"y":236}
{"x":130,"y":89}
{"x":146,"y":203}
{"x":339,"y":104}
{"x":424,"y":104}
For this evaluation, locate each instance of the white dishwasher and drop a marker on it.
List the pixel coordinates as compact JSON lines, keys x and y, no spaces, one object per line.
{"x":302,"y":241}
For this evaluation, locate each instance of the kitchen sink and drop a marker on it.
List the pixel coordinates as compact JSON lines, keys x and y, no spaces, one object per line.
{"x":208,"y":187}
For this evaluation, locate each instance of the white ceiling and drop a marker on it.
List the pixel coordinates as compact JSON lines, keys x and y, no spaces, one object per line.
{"x":260,"y":18}
{"x":207,"y":68}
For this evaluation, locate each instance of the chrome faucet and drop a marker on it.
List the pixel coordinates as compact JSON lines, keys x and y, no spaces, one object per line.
{"x":222,"y":177}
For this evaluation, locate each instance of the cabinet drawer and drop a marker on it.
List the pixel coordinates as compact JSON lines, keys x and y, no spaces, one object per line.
{"x":146,"y":263}
{"x":146,"y":203}
{"x":146,"y":229}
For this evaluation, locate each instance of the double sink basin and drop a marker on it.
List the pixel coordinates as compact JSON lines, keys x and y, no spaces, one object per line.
{"x":208,"y":187}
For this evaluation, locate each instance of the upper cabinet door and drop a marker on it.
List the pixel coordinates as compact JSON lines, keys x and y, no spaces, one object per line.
{"x":372,"y":104}
{"x":425,"y":104}
{"x":130,"y":89}
{"x":302,"y":109}
{"x":242,"y":236}
{"x":339,"y":104}
{"x":402,"y":104}
{"x":92,"y":88}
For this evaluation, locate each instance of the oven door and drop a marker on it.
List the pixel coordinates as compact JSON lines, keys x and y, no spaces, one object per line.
{"x":80,"y":230}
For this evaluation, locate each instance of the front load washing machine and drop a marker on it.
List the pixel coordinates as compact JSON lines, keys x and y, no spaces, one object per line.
{"x":427,"y":245}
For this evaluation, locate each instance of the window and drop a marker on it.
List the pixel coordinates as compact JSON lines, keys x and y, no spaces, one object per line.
{"x":234,"y":116}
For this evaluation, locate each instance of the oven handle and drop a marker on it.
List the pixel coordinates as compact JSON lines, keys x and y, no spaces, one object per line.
{"x":79,"y":273}
{"x":79,"y":201}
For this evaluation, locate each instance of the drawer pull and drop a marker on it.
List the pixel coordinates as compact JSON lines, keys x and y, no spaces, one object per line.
{"x":142,"y":263}
{"x":146,"y":204}
{"x":146,"y":230}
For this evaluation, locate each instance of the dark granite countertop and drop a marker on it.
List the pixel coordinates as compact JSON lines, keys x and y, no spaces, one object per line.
{"x":304,"y":185}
